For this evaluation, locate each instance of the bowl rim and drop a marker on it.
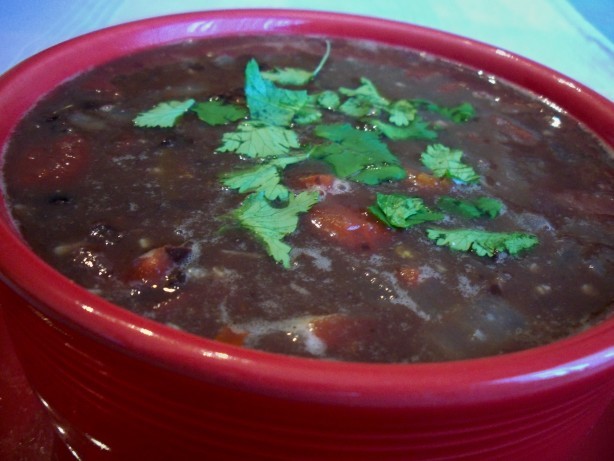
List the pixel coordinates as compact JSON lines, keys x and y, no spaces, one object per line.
{"x":315,"y":380}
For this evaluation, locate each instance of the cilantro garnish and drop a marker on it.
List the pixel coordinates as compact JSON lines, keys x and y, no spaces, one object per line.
{"x":357,"y":155}
{"x":262,"y":178}
{"x":296,"y":77}
{"x":400,"y":211}
{"x":254,"y":140}
{"x":417,"y":129}
{"x":461,"y":113}
{"x":476,"y":208}
{"x":268,"y":103}
{"x":364,"y":100}
{"x":482,"y":243}
{"x":264,"y":136}
{"x":216,"y":112}
{"x":446,"y":163}
{"x":271,"y":224}
{"x":328,"y":99}
{"x":163,"y":115}
{"x":402,"y":112}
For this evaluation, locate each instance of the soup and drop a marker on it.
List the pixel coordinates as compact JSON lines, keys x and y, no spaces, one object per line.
{"x":323,"y":198}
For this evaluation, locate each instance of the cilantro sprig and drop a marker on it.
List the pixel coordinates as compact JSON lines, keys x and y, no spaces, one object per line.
{"x":471,"y":208}
{"x":163,"y":115}
{"x":446,"y":163}
{"x":264,"y":133}
{"x":271,"y":224}
{"x":400,"y":211}
{"x":481,"y":242}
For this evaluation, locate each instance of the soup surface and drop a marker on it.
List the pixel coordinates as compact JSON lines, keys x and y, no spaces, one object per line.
{"x":334,"y":199}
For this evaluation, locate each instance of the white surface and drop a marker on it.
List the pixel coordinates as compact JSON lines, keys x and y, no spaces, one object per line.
{"x":551,"y":32}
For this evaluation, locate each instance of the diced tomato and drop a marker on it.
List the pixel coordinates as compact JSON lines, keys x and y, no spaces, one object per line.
{"x":316,"y":181}
{"x":50,"y":167}
{"x":153,"y":267}
{"x":409,"y":276}
{"x":425,"y":182}
{"x":342,"y":332}
{"x":351,"y":228}
{"x":229,"y":336}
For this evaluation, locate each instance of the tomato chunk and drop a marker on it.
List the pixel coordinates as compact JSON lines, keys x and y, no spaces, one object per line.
{"x":351,"y":228}
{"x":155,"y":266}
{"x":424,"y":182}
{"x":59,"y":164}
{"x":343,"y":333}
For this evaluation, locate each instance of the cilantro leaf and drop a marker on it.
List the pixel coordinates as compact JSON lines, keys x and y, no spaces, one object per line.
{"x":482,"y":206}
{"x":163,"y":115}
{"x":402,"y":112}
{"x":328,"y":99}
{"x":458,"y":114}
{"x":357,"y":155}
{"x":364,"y":100}
{"x":296,"y":77}
{"x":262,"y":178}
{"x":483,"y":243}
{"x":446,"y":163}
{"x":268,"y":103}
{"x":270,"y":224}
{"x":418,"y":129}
{"x":396,"y":210}
{"x":259,"y":140}
{"x":216,"y":112}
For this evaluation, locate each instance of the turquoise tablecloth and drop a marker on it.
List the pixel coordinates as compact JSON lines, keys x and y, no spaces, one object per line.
{"x":551,"y":32}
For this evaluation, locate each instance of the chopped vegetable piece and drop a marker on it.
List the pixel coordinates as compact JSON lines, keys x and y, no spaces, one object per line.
{"x":427,"y":182}
{"x":271,"y":224}
{"x":483,"y":243}
{"x":216,"y":112}
{"x":268,"y":103}
{"x":259,"y":140}
{"x":400,"y":211}
{"x":164,"y":115}
{"x":446,"y":163}
{"x":357,"y":155}
{"x":476,"y":208}
{"x":349,"y":228}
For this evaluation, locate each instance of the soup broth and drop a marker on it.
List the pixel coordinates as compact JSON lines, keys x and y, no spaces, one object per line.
{"x":390,"y":207}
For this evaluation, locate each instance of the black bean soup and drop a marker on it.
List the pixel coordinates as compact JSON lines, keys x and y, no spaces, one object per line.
{"x":144,"y":214}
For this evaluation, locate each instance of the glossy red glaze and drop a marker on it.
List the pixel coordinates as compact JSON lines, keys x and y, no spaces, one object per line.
{"x":119,"y":386}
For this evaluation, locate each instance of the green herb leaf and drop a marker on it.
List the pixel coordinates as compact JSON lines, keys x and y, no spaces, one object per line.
{"x":328,"y":99}
{"x":164,"y":115}
{"x":268,"y":103}
{"x":271,"y":224}
{"x":216,"y":112}
{"x":483,"y":243}
{"x":263,"y":178}
{"x":296,"y":77}
{"x":258,"y":140}
{"x":483,"y":206}
{"x":461,"y":113}
{"x":402,"y":112}
{"x":357,"y":155}
{"x":418,"y":129}
{"x":446,"y":162}
{"x":401,"y":211}
{"x":364,"y":100}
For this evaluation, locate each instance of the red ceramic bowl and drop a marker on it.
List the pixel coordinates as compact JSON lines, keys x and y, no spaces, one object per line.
{"x":119,"y":386}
